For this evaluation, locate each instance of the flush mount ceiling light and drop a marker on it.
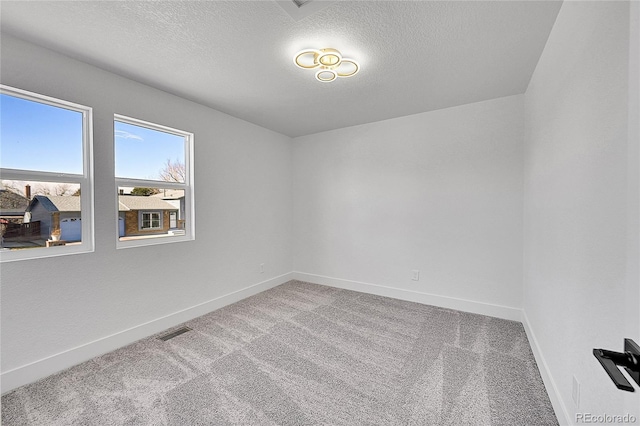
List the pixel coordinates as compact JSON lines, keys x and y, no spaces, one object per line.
{"x":329,"y":63}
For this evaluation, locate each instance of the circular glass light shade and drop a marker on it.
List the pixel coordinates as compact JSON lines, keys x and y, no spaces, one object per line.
{"x":326,"y":75}
{"x":307,"y":59}
{"x":347,"y":68}
{"x":329,"y":57}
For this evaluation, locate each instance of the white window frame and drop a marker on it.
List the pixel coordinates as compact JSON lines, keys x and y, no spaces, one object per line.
{"x":85,"y":180}
{"x":141,"y":214}
{"x":187,"y":187}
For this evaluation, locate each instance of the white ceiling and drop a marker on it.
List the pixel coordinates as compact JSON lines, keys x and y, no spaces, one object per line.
{"x":236,"y":56}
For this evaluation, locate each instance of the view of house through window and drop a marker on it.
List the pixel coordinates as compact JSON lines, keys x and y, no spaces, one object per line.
{"x":40,"y":214}
{"x":45,"y":199}
{"x":153,"y":179}
{"x":150,"y":212}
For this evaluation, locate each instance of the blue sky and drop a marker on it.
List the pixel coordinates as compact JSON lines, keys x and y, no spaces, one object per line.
{"x":141,"y":153}
{"x":35,"y":136}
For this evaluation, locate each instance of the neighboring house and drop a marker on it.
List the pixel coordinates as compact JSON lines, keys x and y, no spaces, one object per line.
{"x":56,"y":212}
{"x":12,"y":206}
{"x":175,"y":197}
{"x":139,"y":215}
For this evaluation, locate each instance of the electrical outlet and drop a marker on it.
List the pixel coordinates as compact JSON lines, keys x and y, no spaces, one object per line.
{"x":262,"y":268}
{"x":575,"y":392}
{"x":415,"y":275}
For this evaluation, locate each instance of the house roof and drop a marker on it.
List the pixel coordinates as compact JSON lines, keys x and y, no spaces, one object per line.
{"x":55,"y":203}
{"x":133,"y":202}
{"x":12,"y":204}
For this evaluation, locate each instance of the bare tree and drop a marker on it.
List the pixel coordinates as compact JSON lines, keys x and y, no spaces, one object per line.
{"x":173,"y":172}
{"x":41,"y":188}
{"x":13,"y":186}
{"x":49,"y":189}
{"x":63,"y":189}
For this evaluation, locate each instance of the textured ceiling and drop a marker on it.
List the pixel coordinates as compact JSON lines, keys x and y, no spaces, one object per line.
{"x":236,"y":56}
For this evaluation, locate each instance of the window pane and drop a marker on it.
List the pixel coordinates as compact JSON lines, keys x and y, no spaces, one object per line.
{"x":143,"y":153}
{"x":37,"y":136}
{"x":39,"y":214}
{"x":150,"y":213}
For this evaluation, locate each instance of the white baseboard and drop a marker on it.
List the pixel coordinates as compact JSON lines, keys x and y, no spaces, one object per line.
{"x":554,"y":395}
{"x":37,"y":370}
{"x":498,"y":311}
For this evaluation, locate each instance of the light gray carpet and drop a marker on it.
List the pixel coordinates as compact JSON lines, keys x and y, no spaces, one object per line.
{"x":304,"y":354}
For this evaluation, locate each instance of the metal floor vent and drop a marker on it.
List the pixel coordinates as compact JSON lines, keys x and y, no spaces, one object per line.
{"x":174,"y":333}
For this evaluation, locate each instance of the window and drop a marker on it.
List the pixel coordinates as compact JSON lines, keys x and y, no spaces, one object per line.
{"x":46,"y":174}
{"x":153,"y":168}
{"x":150,"y":220}
{"x":46,"y":197}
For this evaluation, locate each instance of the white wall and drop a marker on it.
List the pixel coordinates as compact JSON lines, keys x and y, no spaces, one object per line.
{"x":439,"y":192}
{"x":580,"y":204}
{"x":243,"y":218}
